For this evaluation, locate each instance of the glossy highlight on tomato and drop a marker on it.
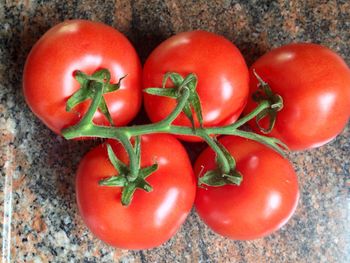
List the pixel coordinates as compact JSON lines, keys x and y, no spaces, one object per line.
{"x":265,"y":200}
{"x":221,"y":70}
{"x":151,"y":218}
{"x":314,"y":83}
{"x":48,"y":79}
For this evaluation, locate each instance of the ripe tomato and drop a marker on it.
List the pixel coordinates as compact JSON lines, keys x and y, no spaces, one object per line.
{"x":314,"y":83}
{"x":151,"y":218}
{"x":86,"y":46}
{"x":221,"y":70}
{"x":265,"y":200}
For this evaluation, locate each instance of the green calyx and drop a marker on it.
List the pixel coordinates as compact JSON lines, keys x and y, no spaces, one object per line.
{"x":88,"y":89}
{"x":125,"y":179}
{"x":217,"y":178}
{"x":222,"y":175}
{"x":264,"y":93}
{"x":193,"y":103}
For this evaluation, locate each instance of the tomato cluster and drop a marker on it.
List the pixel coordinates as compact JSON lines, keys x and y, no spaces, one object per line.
{"x":313,"y":82}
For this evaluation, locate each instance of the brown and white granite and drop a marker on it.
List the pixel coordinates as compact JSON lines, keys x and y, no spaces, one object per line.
{"x":37,"y":167}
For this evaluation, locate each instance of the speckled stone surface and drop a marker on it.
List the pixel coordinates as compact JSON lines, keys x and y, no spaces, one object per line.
{"x":38,"y":167}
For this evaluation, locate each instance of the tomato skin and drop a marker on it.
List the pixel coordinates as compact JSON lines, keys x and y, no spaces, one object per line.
{"x":87,"y":46}
{"x":265,"y":200}
{"x":314,"y":83}
{"x":151,"y":218}
{"x":223,"y":82}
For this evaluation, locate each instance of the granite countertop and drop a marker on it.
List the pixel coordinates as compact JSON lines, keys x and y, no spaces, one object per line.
{"x":39,"y":219}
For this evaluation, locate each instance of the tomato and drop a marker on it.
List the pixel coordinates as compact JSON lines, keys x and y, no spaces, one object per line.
{"x":221,"y":70}
{"x":48,"y":79}
{"x":151,"y":218}
{"x":314,"y":83}
{"x":265,"y":200}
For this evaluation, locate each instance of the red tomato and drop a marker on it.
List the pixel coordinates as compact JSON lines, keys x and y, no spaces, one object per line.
{"x":221,"y":70}
{"x":314,"y":83}
{"x":151,"y":218}
{"x":86,"y":46}
{"x":265,"y":200}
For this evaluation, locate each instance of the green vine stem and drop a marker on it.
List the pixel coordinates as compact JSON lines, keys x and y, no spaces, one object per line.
{"x":186,"y":91}
{"x":221,"y":159}
{"x":134,"y":166}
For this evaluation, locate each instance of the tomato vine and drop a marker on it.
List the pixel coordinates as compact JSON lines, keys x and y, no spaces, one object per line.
{"x":184,"y":91}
